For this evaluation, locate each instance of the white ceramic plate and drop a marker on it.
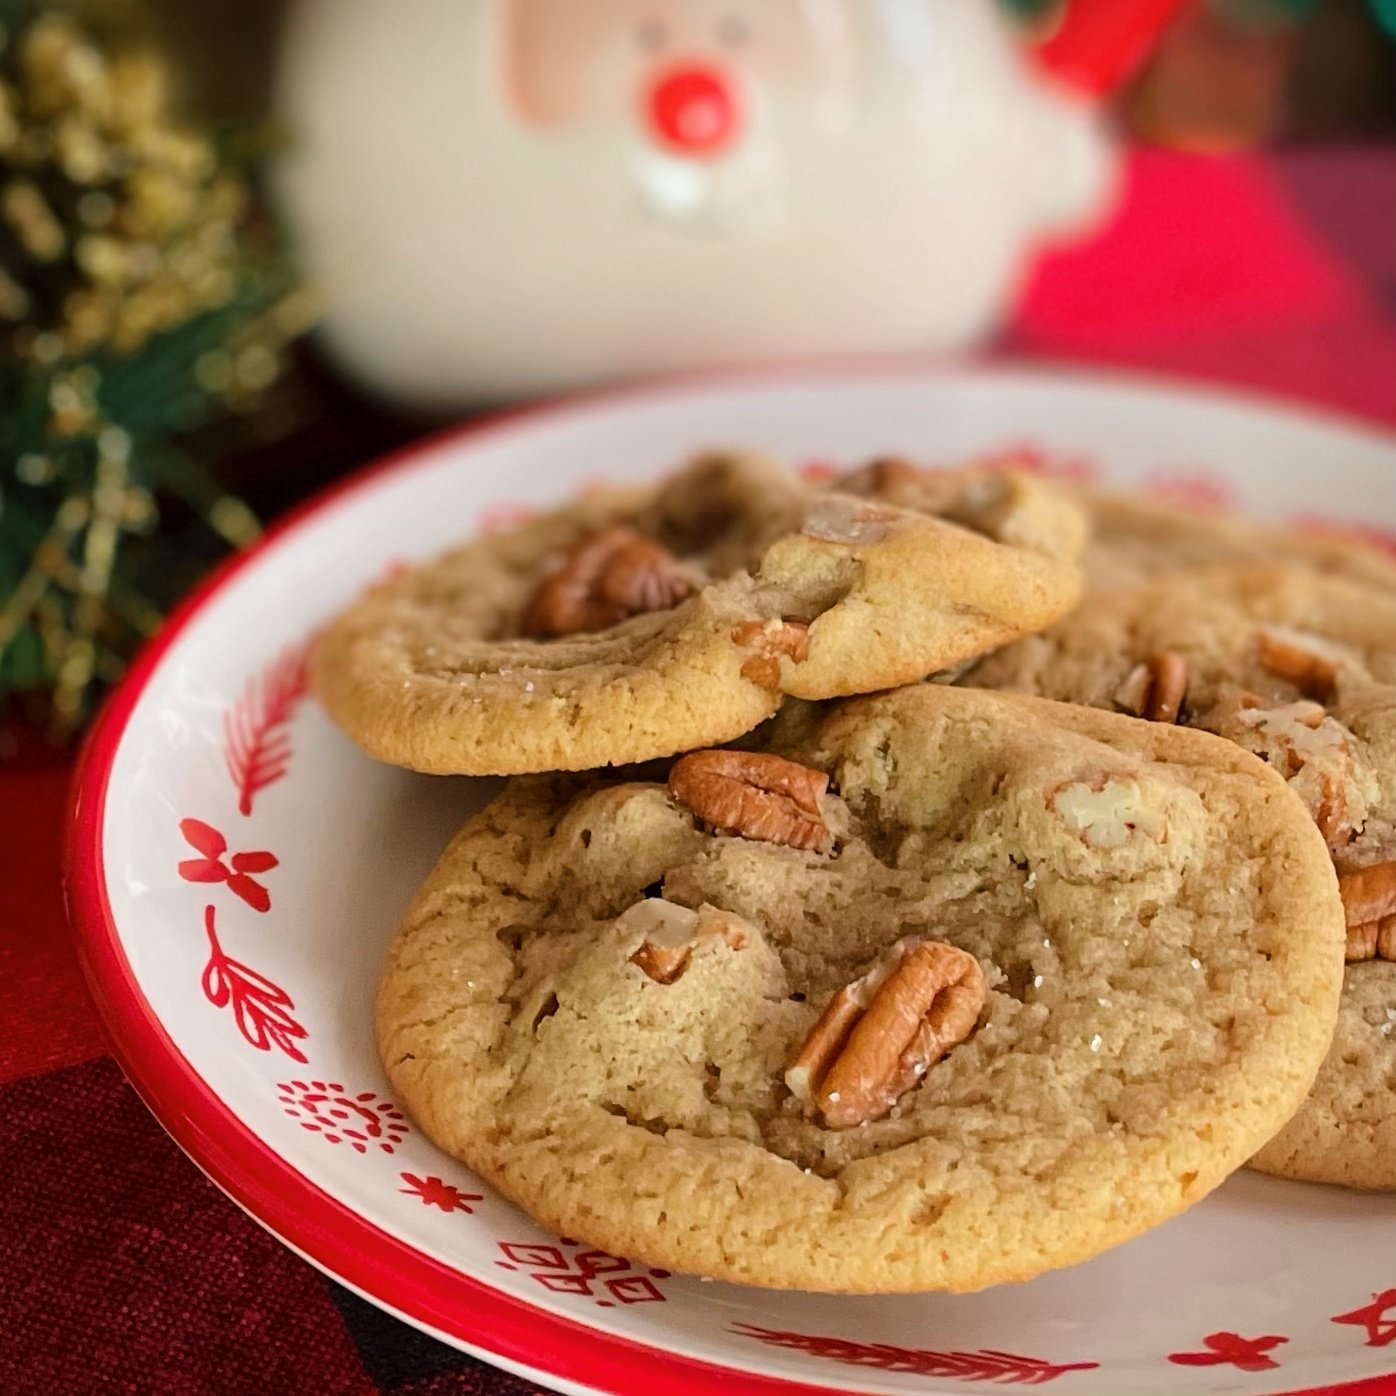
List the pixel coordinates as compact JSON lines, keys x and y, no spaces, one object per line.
{"x":236,"y":869}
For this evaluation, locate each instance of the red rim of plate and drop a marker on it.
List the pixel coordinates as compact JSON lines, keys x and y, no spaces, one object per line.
{"x":387,"y":1270}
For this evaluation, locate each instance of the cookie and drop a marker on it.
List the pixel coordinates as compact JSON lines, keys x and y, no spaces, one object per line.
{"x":640,"y":622}
{"x":1134,"y":538}
{"x":958,"y":988}
{"x":1301,"y":670}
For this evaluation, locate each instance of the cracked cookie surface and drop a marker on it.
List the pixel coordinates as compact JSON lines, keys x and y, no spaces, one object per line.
{"x":641,"y":622}
{"x":1034,"y":979}
{"x":1300,"y":669}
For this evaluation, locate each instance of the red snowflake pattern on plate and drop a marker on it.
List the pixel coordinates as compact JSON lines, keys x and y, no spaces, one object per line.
{"x":1378,"y":1318}
{"x":362,"y":1121}
{"x":256,"y":729}
{"x":236,"y":872}
{"x":607,"y":1279}
{"x":1073,"y":467}
{"x":984,"y":1365}
{"x":433,"y":1192}
{"x":261,"y":1009}
{"x":1249,"y":1354}
{"x":1199,"y":490}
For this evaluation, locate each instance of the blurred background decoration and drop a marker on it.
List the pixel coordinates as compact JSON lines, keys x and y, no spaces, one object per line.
{"x":141,"y":306}
{"x":455,"y":183}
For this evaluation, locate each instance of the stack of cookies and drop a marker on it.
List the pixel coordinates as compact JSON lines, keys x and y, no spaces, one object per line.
{"x":918,"y":882}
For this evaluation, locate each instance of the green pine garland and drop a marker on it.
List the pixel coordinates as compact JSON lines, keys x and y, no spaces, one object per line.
{"x":137,"y":307}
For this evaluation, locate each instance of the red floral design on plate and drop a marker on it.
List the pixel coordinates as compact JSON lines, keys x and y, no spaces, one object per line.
{"x":435,"y":1193}
{"x":607,"y":1279}
{"x":1199,"y":490}
{"x":984,"y":1365}
{"x":818,"y":472}
{"x":261,"y":1009}
{"x":1249,"y":1354}
{"x":256,"y":729}
{"x":362,"y":1121}
{"x":236,"y":871}
{"x":1378,"y":1318}
{"x":1036,"y":459}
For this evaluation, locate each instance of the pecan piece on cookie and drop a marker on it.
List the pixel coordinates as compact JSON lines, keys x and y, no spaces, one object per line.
{"x":671,"y":932}
{"x":1369,"y":905}
{"x":754,"y":795}
{"x":1103,"y":813}
{"x":1303,"y":660}
{"x":611,"y":576}
{"x":1157,"y":689}
{"x":768,"y":640}
{"x":879,"y":1036}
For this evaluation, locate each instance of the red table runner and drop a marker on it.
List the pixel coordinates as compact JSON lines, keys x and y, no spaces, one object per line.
{"x":123,"y":1270}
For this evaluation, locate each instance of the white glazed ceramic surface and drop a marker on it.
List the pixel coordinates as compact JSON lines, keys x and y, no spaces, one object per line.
{"x":490,"y":196}
{"x":238,"y":868}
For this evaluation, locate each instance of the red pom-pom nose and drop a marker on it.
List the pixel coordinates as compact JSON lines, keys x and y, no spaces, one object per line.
{"x":692,"y":110}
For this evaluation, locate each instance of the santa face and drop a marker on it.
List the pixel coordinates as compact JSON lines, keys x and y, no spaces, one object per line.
{"x":691,"y":78}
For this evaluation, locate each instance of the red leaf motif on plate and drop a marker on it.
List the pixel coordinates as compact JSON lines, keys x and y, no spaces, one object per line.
{"x":256,"y":728}
{"x":597,"y":1275}
{"x":1249,"y":1354}
{"x":985,"y":1364}
{"x":1381,"y":1329}
{"x":261,"y":1009}
{"x":211,"y":868}
{"x":362,"y":1121}
{"x":436,"y":1193}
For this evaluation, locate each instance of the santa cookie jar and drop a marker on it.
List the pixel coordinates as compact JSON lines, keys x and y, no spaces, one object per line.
{"x":507,"y":197}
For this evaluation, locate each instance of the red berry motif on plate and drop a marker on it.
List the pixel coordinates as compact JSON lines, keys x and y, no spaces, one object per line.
{"x":362,"y":1121}
{"x":256,"y":729}
{"x":984,"y":1365}
{"x":1249,"y":1354}
{"x":261,"y":1009}
{"x":1378,"y":1318}
{"x":236,"y":872}
{"x":435,"y":1193}
{"x":607,"y":1279}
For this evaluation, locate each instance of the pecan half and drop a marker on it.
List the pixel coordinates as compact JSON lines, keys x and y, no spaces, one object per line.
{"x":1303,"y":660}
{"x":1369,"y":894}
{"x":671,"y":932}
{"x":754,"y":795}
{"x":611,"y":576}
{"x":878,"y":1036}
{"x":768,"y":640}
{"x":1156,"y":689}
{"x":1376,"y":940}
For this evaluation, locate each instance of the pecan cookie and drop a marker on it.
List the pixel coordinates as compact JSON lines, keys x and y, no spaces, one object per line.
{"x":637,"y":623}
{"x":956,"y":988}
{"x":1301,"y":670}
{"x":1134,"y":538}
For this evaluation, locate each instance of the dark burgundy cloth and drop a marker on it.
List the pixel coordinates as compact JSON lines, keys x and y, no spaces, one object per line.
{"x":123,"y":1271}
